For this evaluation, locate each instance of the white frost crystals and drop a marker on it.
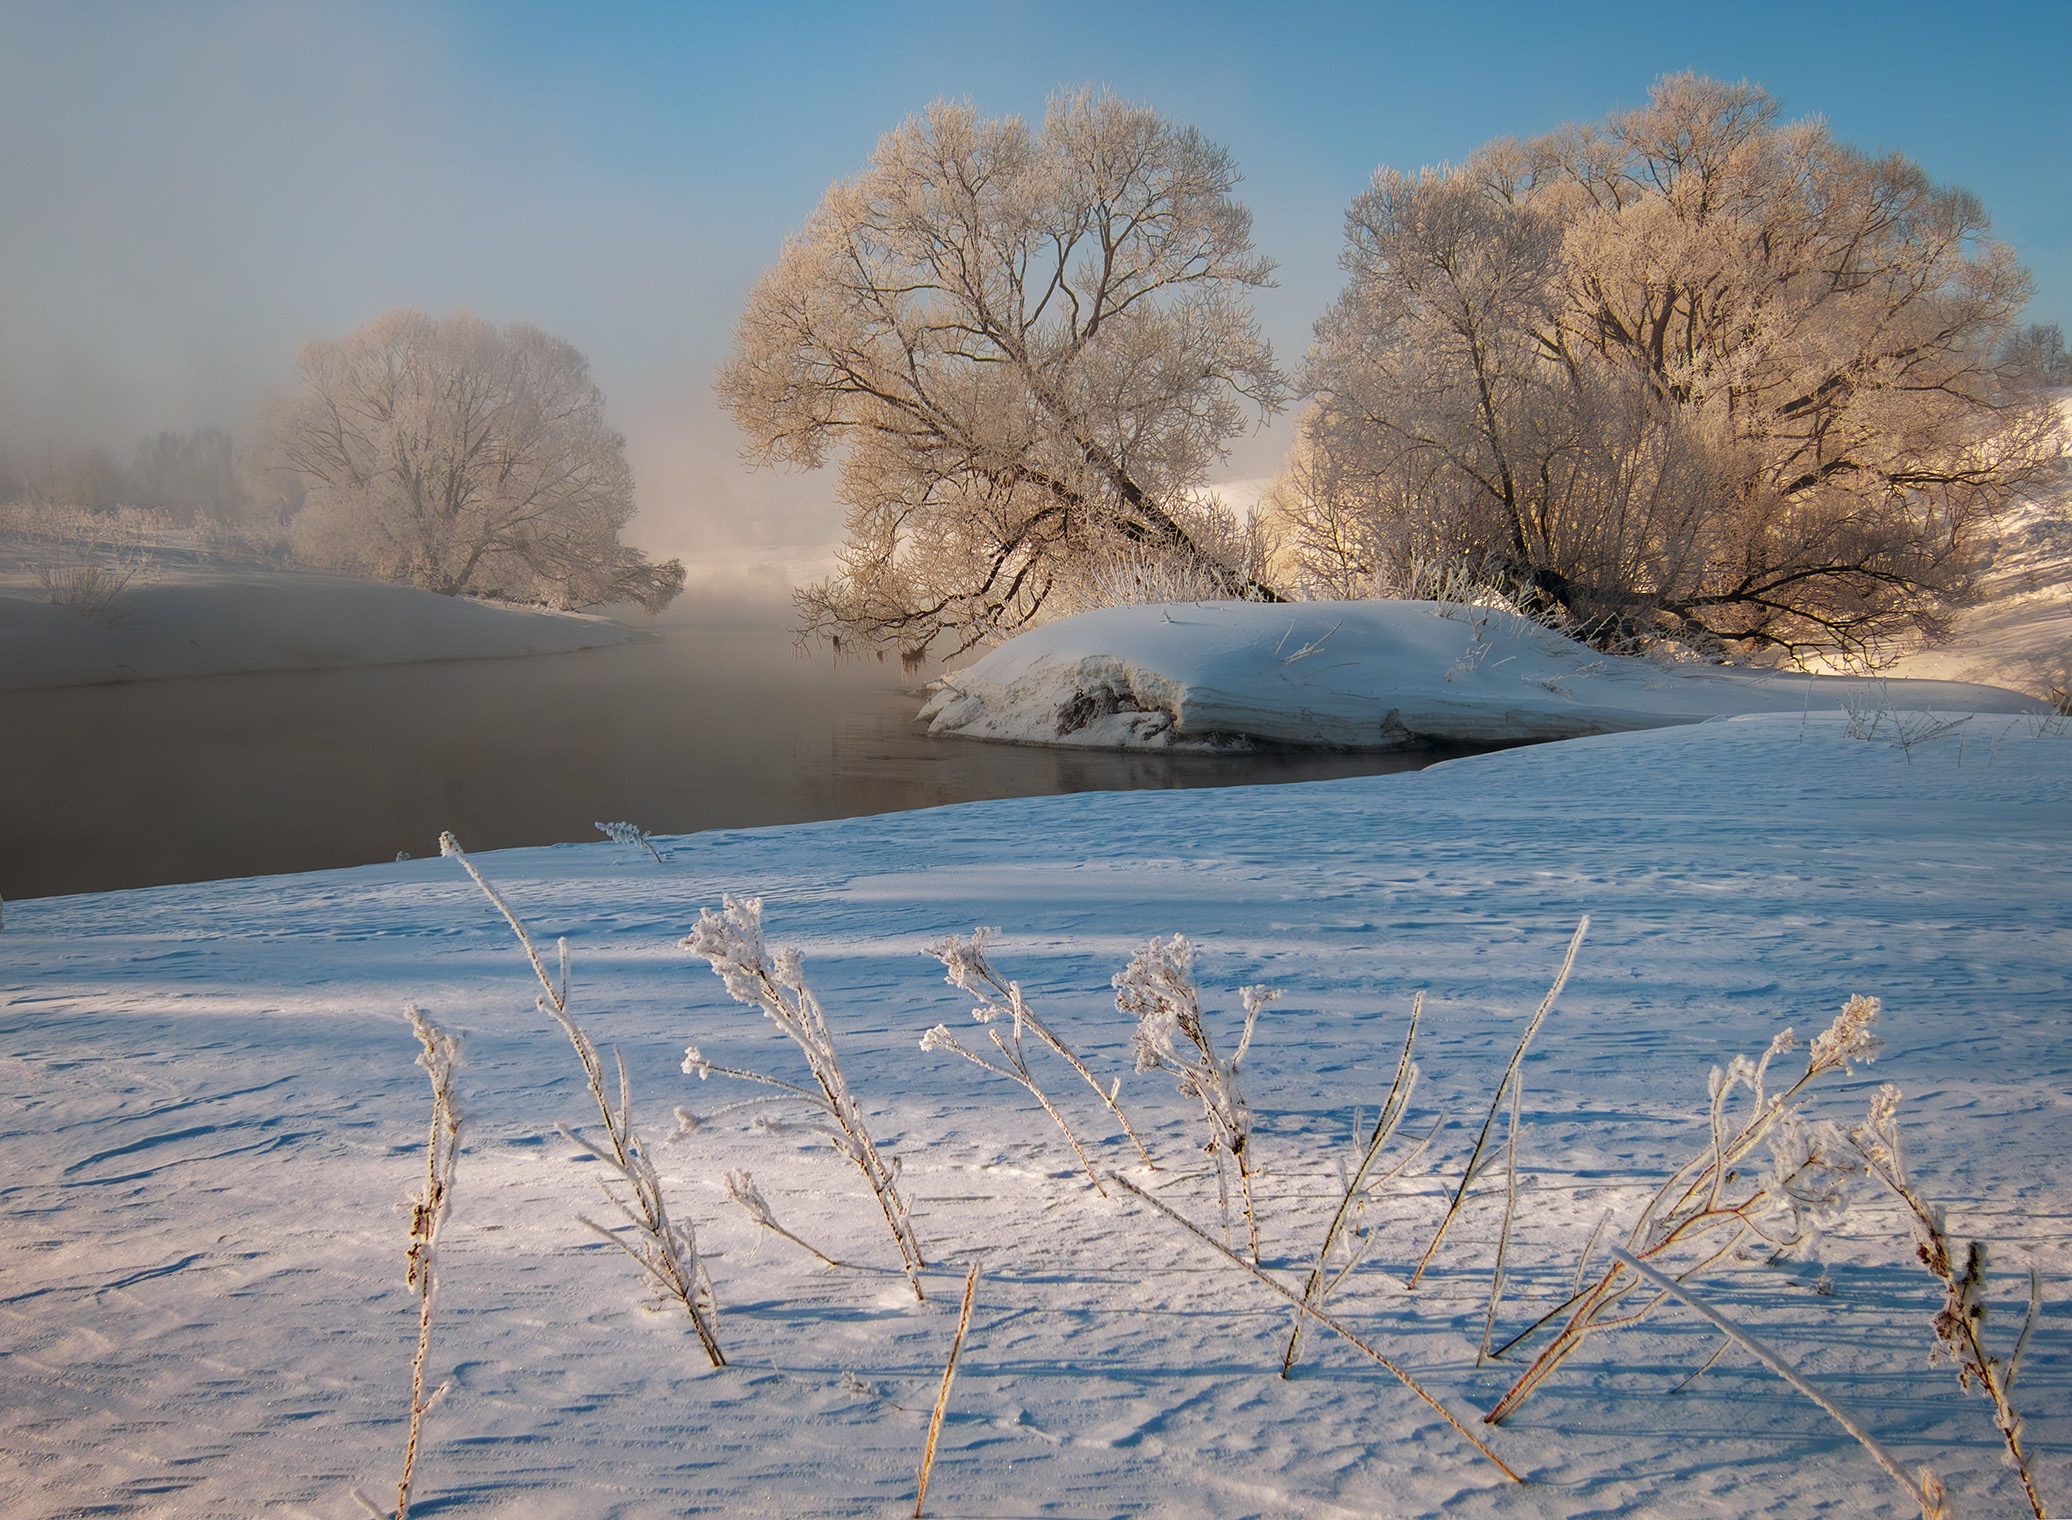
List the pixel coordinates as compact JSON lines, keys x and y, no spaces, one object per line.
{"x":1157,"y":988}
{"x":732,"y":942}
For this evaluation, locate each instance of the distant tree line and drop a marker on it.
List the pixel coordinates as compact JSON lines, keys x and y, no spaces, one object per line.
{"x":184,"y":475}
{"x":447,"y":453}
{"x":1694,"y":373}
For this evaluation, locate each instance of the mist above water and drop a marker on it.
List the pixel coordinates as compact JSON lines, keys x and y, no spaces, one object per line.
{"x":713,"y":723}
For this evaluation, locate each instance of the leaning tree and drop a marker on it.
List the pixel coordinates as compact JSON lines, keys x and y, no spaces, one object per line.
{"x":1026,"y":349}
{"x":1695,"y":372}
{"x":464,"y":458}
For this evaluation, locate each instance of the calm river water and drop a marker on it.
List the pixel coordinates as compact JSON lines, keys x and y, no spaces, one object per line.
{"x":695,"y":728}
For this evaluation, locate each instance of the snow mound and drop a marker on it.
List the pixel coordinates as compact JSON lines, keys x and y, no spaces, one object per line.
{"x":1363,"y":675}
{"x":228,"y":623}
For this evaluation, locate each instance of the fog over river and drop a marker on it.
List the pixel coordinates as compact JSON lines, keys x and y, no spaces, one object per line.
{"x":701,"y":725}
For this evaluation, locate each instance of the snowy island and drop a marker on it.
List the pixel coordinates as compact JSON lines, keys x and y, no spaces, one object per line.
{"x":1365,"y":675}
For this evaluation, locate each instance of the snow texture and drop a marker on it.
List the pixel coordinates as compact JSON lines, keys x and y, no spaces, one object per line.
{"x":213,"y":1124}
{"x":1362,"y":675}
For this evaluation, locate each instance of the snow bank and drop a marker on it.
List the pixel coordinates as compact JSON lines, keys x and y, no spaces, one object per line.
{"x":1361,"y":675}
{"x":229,"y":622}
{"x":213,"y":1119}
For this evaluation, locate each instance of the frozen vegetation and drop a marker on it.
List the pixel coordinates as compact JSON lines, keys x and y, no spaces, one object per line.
{"x":222,"y":1205}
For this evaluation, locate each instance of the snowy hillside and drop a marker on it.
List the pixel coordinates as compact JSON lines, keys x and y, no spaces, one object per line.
{"x":1362,"y":675}
{"x":214,"y":1123}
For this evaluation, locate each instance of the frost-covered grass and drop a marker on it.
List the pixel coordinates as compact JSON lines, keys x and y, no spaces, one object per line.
{"x":213,"y":1119}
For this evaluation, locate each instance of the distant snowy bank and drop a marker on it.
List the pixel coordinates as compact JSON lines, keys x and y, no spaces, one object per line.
{"x":228,"y":622}
{"x":1364,"y":675}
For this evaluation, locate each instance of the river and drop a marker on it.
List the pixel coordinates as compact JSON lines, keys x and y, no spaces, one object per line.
{"x":698,"y":726}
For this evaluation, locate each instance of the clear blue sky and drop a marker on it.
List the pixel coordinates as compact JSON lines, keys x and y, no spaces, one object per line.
{"x":188,"y":190}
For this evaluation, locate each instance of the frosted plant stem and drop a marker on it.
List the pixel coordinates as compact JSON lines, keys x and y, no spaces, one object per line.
{"x":1016,"y":1070}
{"x":731,"y":941}
{"x":942,"y":1394}
{"x":1692,"y":1212}
{"x":1957,"y":1325}
{"x":1703,"y":1367}
{"x":1503,"y":1237}
{"x":1328,"y":1321}
{"x":1385,"y":1124}
{"x":968,"y":970}
{"x":1496,"y":1103}
{"x":1925,"y":1491}
{"x":668,"y":1252}
{"x":439,"y":1058}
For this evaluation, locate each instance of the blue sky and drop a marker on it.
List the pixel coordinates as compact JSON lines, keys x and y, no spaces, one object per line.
{"x":187,"y":191}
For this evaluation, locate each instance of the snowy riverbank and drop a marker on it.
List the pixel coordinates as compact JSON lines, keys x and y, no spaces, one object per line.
{"x":1363,"y":675}
{"x":224,"y":622}
{"x":215,"y":1119}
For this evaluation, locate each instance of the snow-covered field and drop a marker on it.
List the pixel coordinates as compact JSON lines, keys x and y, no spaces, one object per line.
{"x":213,"y":1121}
{"x":1365,"y":675}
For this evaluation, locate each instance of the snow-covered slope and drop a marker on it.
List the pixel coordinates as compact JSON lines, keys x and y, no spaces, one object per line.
{"x":1370,"y":674}
{"x":222,"y":622}
{"x":211,"y":1123}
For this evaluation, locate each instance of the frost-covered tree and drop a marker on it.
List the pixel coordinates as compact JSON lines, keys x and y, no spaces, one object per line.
{"x":1027,"y":347}
{"x":1695,"y":371}
{"x":463,"y":457}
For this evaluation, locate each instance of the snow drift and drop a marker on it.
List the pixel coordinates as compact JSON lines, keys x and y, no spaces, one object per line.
{"x":1363,"y":675}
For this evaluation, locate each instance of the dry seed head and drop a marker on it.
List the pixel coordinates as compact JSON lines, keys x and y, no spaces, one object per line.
{"x":1848,"y":1039}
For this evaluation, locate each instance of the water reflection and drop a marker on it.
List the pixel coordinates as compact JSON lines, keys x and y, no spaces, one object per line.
{"x":698,"y":728}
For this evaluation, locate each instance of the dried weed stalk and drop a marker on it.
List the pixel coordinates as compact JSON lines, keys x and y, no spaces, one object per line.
{"x":968,"y":970}
{"x":631,"y":834}
{"x":1963,"y":1312}
{"x":942,"y":1394}
{"x":1510,"y":1082}
{"x":1322,"y":1279}
{"x":732,"y":942}
{"x":1718,"y":1200}
{"x":1310,"y":1311}
{"x":1925,"y":1488}
{"x":1157,"y":989}
{"x":742,"y":1189}
{"x":440,"y":1058}
{"x":667,"y":1251}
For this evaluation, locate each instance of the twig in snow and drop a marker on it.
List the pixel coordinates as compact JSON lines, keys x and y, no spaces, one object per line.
{"x":968,"y":970}
{"x":742,"y":1189}
{"x":440,"y":1057}
{"x":1694,"y":1209}
{"x":627,"y":833}
{"x":1964,"y":1310}
{"x":1385,"y":1123}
